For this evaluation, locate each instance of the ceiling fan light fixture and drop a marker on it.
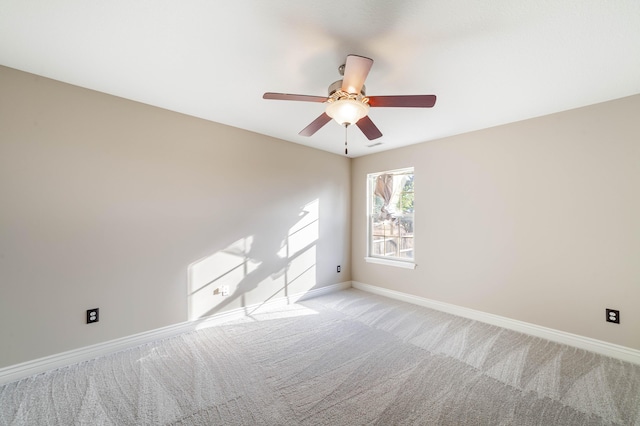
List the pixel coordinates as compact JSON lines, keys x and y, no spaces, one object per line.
{"x":347,"y":111}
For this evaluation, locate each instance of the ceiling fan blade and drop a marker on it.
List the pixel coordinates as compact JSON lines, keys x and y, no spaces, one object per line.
{"x":368,"y":128}
{"x":315,"y":125}
{"x":289,"y":97}
{"x":408,"y":101}
{"x":356,"y":70}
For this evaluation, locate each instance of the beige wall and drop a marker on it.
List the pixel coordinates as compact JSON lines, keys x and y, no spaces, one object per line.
{"x":537,"y":221}
{"x":143,"y":212}
{"x":113,"y":204}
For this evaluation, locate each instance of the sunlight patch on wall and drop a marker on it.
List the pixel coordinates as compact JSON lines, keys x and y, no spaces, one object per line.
{"x":304,"y":233}
{"x":300,"y":250}
{"x":227,"y":267}
{"x":301,"y":274}
{"x":279,"y":267}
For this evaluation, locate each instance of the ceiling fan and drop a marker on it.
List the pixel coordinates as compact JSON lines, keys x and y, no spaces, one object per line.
{"x":347,"y":102}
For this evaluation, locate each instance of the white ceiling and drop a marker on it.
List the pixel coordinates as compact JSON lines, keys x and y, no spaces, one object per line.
{"x":490,"y":62}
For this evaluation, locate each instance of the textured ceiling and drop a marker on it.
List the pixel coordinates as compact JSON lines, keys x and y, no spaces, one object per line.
{"x":489,"y":62}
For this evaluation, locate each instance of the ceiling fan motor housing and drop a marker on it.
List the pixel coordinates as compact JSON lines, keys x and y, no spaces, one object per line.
{"x":337,"y":85}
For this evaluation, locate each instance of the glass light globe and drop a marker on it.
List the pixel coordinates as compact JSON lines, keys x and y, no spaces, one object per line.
{"x":347,"y":111}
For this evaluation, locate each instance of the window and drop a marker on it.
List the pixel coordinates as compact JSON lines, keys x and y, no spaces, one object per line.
{"x":390,"y":210}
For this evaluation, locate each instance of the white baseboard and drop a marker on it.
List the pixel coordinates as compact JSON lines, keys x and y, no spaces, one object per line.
{"x":586,"y":343}
{"x":40,"y":365}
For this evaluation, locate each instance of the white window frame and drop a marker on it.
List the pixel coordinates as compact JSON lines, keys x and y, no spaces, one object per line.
{"x":385,"y":260}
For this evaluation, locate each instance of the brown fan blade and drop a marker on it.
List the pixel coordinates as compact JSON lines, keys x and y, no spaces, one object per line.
{"x":368,"y":128}
{"x":315,"y":125}
{"x":408,"y":101}
{"x":356,"y":70}
{"x":289,"y":97}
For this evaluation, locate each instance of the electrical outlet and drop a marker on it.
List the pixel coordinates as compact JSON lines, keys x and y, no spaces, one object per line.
{"x":92,"y":315}
{"x":338,"y":268}
{"x":613,"y":316}
{"x":221,"y":291}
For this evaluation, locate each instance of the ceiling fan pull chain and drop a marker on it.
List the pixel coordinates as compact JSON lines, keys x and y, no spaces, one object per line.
{"x":346,"y":151}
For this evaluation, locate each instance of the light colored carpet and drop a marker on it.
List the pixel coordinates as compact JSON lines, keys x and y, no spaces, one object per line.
{"x":347,"y":358}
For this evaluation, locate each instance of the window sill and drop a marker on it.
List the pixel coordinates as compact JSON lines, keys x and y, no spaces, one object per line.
{"x":390,"y":262}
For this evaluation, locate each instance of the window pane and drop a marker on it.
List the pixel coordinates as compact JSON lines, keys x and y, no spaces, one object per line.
{"x":406,"y":202}
{"x":391,"y":213}
{"x":391,"y":247}
{"x":406,"y":225}
{"x":406,"y":248}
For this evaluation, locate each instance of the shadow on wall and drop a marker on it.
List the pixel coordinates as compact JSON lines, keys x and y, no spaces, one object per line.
{"x":286,"y":266}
